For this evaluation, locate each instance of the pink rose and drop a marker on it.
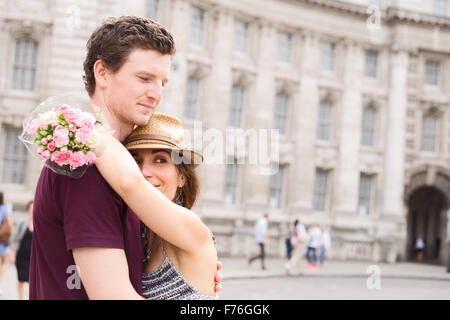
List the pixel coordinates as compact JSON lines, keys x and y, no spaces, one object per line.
{"x":83,"y":135}
{"x":40,"y":150}
{"x":54,"y":123}
{"x":63,"y":109}
{"x":77,"y":159}
{"x":87,"y":125}
{"x":72,"y":127}
{"x":61,"y":136}
{"x":90,"y":157}
{"x":46,"y":154}
{"x":61,"y":158}
{"x":73,"y":117}
{"x":33,"y":126}
{"x":44,"y":141}
{"x":51,"y":146}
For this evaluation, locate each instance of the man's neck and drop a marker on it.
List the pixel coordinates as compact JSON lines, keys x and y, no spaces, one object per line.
{"x":120,"y":129}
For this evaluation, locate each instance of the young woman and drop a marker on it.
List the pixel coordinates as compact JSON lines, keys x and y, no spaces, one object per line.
{"x":160,"y":187}
{"x":21,"y":250}
{"x":5,"y":217}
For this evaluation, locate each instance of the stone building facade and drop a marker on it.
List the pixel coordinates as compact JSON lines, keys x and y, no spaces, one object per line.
{"x":358,"y":90}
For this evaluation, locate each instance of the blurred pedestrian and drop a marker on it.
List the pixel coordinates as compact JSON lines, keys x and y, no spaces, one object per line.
{"x":298,"y":241}
{"x":313,"y":246}
{"x":20,"y":250}
{"x":325,"y":244}
{"x":420,"y":247}
{"x":261,"y":237}
{"x":288,"y":243}
{"x":6,"y":229}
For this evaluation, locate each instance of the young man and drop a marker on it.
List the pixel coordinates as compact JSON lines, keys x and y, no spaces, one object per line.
{"x":83,"y":229}
{"x":262,"y":238}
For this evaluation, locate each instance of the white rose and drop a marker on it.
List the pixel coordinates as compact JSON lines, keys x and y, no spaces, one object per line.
{"x":88,"y":116}
{"x":48,"y":117}
{"x":93,"y":139}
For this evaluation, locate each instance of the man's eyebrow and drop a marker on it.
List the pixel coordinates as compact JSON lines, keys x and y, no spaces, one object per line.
{"x":151,"y":75}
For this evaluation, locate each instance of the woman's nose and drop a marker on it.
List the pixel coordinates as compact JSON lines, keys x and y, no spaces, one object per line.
{"x":147,"y":171}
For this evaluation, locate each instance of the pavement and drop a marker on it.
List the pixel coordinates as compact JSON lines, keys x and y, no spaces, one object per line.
{"x":238,"y":268}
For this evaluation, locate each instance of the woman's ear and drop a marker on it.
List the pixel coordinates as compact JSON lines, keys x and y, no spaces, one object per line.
{"x":100,"y":74}
{"x":181,"y":181}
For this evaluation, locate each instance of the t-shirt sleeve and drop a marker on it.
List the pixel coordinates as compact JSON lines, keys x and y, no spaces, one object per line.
{"x":92,"y":213}
{"x":8,"y":211}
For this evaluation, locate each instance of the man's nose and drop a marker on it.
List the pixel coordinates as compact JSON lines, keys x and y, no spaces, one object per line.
{"x":154,"y":91}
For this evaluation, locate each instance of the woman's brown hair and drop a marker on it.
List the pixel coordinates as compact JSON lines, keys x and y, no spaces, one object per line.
{"x":185,"y":196}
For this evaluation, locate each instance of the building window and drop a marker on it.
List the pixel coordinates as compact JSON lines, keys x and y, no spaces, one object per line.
{"x":376,"y":3}
{"x":276,"y":188}
{"x":430,"y":128}
{"x":240,"y":36}
{"x":197,"y":25}
{"x":152,"y":9}
{"x":327,"y":56}
{"x":14,"y":157}
{"x":231,"y":179}
{"x":325,"y":121}
{"x":371,"y":64}
{"x":284,"y":47}
{"x":237,"y":100}
{"x":320,"y":190}
{"x":440,"y":7}
{"x":368,"y":127}
{"x":366,"y":183}
{"x":190,"y":111}
{"x":281,"y":112}
{"x":25,"y":61}
{"x":432,"y":73}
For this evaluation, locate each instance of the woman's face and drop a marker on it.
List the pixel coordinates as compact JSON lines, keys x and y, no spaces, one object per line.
{"x":158,"y":168}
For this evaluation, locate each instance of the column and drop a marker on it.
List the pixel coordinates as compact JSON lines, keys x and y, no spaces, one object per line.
{"x":304,"y":122}
{"x":349,"y":124}
{"x":394,"y":157}
{"x":259,"y":116}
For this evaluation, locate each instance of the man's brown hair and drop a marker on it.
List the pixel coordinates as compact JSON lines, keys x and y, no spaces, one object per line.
{"x":113,"y":41}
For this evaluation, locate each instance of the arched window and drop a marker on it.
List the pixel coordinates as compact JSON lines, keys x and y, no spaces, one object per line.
{"x":192,"y":90}
{"x":368,"y":126}
{"x":281,"y":112}
{"x":197,"y":25}
{"x":237,"y":105}
{"x":430,"y":130}
{"x":24,"y":66}
{"x":325,"y":121}
{"x":152,"y":7}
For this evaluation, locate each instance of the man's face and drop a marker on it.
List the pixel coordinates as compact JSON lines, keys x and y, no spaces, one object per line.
{"x":135,"y":90}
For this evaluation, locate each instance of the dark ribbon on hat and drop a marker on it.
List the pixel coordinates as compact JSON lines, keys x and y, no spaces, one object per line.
{"x":157,"y":137}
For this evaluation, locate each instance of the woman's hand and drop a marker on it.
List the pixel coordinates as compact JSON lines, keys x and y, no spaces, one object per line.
{"x":12,"y":257}
{"x":218,"y":278}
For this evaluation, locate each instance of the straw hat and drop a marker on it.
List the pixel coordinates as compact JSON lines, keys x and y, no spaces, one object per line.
{"x":162,"y":132}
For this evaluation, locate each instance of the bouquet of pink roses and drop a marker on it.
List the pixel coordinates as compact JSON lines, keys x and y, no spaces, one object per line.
{"x":65,"y":136}
{"x":62,"y":135}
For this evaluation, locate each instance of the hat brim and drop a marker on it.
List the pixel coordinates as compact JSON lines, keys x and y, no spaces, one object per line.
{"x":189,"y":156}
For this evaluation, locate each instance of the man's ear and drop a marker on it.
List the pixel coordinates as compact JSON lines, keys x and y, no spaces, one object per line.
{"x":100,"y":74}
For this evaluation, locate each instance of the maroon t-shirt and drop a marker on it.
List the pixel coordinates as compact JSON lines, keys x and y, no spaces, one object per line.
{"x":74,"y":213}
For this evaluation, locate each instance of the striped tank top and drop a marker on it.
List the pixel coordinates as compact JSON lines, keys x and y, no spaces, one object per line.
{"x":167,"y":283}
